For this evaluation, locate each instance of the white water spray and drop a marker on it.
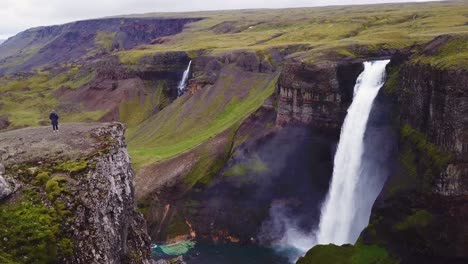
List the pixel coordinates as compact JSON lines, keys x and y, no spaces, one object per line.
{"x":183,"y":82}
{"x":346,"y":210}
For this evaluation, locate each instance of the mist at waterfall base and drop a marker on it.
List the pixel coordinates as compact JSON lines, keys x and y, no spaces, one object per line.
{"x":183,"y":82}
{"x":246,"y":204}
{"x":243,"y":204}
{"x":363,"y":161}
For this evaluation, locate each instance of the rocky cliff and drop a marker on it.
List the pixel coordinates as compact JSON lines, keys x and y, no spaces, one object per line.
{"x":316,"y":94}
{"x":424,"y":202}
{"x":68,"y":197}
{"x":421,"y":214}
{"x":243,"y":167}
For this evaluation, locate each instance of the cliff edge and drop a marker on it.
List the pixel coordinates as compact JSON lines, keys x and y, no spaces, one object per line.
{"x":68,"y":197}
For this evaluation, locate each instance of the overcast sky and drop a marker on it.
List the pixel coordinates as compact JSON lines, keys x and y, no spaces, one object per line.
{"x":18,"y":15}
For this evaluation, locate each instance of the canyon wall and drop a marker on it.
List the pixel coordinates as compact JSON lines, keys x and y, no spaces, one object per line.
{"x":316,"y":94}
{"x":244,"y":167}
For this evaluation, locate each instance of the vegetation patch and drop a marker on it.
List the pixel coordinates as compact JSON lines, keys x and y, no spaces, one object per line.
{"x":32,"y":233}
{"x":55,"y":187}
{"x":208,"y":166}
{"x":191,"y":120}
{"x":348,"y":254}
{"x":320,"y":29}
{"x":417,"y":220}
{"x":42,"y":178}
{"x":391,"y":85}
{"x":452,"y":54}
{"x":105,"y":40}
{"x":73,"y":167}
{"x":431,"y":160}
{"x":255,"y":166}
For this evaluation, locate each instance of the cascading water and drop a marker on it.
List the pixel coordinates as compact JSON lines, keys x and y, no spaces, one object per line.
{"x":346,"y":210}
{"x":183,"y":82}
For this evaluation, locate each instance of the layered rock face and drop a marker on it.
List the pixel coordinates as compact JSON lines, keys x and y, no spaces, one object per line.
{"x":436,"y":101}
{"x":85,"y":177}
{"x":317,"y":95}
{"x":422,"y":212}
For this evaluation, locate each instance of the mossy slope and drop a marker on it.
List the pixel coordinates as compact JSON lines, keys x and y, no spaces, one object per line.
{"x":192,"y":119}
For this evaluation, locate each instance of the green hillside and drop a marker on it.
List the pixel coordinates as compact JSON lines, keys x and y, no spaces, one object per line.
{"x":192,"y":119}
{"x":300,"y":34}
{"x":342,"y":28}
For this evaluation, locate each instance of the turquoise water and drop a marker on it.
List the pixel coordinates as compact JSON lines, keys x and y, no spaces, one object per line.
{"x":208,"y":253}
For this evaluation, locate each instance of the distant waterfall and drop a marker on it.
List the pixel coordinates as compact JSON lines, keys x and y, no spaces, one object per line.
{"x":346,"y":210}
{"x":183,"y":82}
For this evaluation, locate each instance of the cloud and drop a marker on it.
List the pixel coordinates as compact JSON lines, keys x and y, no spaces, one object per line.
{"x":18,"y":15}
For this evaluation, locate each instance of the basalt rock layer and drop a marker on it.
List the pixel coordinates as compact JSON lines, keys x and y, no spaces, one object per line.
{"x":316,"y":94}
{"x":421,"y":214}
{"x":424,"y":202}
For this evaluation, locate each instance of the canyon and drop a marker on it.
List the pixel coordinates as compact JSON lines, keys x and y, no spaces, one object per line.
{"x":245,"y":155}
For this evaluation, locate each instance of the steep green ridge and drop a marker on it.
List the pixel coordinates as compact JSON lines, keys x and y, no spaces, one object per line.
{"x":192,"y":119}
{"x":343,"y":28}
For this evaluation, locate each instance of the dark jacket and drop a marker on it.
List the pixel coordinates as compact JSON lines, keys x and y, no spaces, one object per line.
{"x":54,"y":118}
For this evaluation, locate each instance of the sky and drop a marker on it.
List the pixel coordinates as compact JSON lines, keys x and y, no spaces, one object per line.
{"x":19,"y":15}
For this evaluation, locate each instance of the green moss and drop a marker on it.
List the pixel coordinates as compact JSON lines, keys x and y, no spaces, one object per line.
{"x":419,"y":219}
{"x":347,"y":254}
{"x":419,"y":139}
{"x":54,"y":187}
{"x":6,"y":258}
{"x":31,"y":233}
{"x":73,"y":167}
{"x":392,"y":81}
{"x":430,"y":159}
{"x":42,"y":178}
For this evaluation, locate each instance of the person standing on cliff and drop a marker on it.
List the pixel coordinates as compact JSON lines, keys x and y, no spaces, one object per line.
{"x":54,"y":120}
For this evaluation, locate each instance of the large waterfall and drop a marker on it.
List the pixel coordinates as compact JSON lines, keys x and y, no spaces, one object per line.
{"x":183,"y":81}
{"x":346,"y":210}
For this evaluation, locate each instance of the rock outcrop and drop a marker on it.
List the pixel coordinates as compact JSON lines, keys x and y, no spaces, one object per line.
{"x":316,"y":94}
{"x":422,"y":212}
{"x":435,"y":101}
{"x":83,"y":179}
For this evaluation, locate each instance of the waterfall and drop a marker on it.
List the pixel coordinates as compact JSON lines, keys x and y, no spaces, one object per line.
{"x":183,"y":82}
{"x":346,"y":210}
